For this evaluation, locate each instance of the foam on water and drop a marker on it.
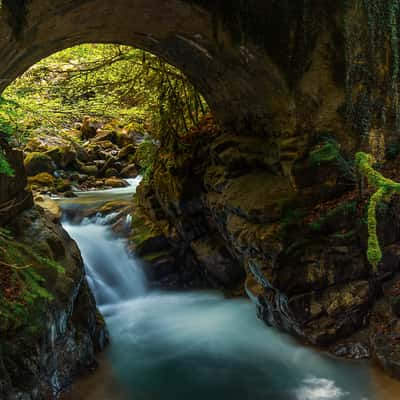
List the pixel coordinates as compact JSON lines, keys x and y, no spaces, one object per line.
{"x":320,"y":389}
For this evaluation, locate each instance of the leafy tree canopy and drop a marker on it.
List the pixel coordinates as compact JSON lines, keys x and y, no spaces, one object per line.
{"x":104,"y":81}
{"x":107,"y":82}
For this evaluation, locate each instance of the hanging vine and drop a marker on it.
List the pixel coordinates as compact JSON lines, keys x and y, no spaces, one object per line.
{"x":385,"y":189}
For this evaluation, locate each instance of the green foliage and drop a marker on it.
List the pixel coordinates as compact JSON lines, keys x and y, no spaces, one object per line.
{"x":328,"y":150}
{"x":345,"y":235}
{"x":4,"y":165}
{"x":385,"y":189}
{"x":146,"y":156}
{"x":108,"y":82}
{"x":374,"y":253}
{"x":7,"y":112}
{"x":21,"y":264}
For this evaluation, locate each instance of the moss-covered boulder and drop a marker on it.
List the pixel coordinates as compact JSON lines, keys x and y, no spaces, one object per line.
{"x":126,"y":151}
{"x":90,"y":170}
{"x":123,"y":138}
{"x":50,"y":206}
{"x":63,"y":156}
{"x":63,"y":185}
{"x":115,"y":182}
{"x":114,"y":206}
{"x":42,"y":179}
{"x":111,"y":172}
{"x":105,"y":136}
{"x":88,"y":129}
{"x":38,"y":162}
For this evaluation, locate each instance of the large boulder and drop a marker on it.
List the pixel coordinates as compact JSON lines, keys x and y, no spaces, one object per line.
{"x":63,"y":156}
{"x":38,"y":162}
{"x":126,"y":151}
{"x":115,"y":182}
{"x":90,"y":170}
{"x":43,"y":179}
{"x":111,"y":172}
{"x":14,"y":195}
{"x":130,"y":171}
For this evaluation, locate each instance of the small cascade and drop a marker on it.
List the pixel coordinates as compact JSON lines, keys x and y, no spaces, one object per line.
{"x":112,"y":273}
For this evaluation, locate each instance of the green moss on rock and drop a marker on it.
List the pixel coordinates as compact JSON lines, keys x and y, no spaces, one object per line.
{"x":42,"y":179}
{"x":385,"y":188}
{"x":37,"y":162}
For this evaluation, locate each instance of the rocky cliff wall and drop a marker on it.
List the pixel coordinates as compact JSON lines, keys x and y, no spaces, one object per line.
{"x":297,"y":244}
{"x":50,"y":328}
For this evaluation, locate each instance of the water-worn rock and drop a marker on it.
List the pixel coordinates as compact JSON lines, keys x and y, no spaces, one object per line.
{"x":130,"y":171}
{"x":111,"y":172}
{"x":53,"y":209}
{"x":115,"y":182}
{"x":43,"y":179}
{"x":90,"y":170}
{"x":126,"y":151}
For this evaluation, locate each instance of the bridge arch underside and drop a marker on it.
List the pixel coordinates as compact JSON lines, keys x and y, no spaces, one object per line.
{"x":245,"y":87}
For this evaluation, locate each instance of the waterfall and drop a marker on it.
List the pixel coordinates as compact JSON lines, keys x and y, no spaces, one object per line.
{"x":112,"y":273}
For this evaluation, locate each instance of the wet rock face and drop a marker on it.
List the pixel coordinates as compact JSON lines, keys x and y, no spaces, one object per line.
{"x":39,"y":363}
{"x":312,"y":280}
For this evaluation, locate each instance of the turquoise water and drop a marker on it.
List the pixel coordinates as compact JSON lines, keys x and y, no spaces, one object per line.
{"x":198,"y":345}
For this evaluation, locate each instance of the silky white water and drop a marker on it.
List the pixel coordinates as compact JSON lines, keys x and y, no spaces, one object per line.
{"x":194,"y":345}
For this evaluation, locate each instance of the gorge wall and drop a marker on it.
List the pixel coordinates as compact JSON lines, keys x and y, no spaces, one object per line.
{"x":297,"y":87}
{"x":50,"y":327}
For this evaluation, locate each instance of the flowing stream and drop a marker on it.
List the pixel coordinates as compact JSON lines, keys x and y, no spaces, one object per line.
{"x":196,"y":345}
